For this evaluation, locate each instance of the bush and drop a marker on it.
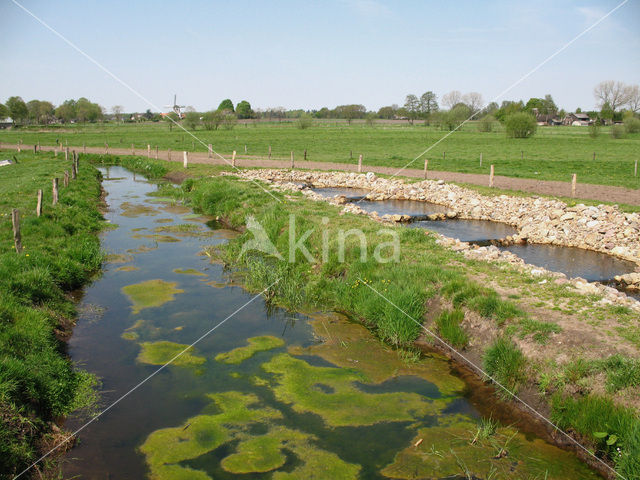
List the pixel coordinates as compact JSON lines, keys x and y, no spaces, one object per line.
{"x":632,"y":125}
{"x":304,"y":122}
{"x":486,"y":123}
{"x":520,"y":125}
{"x":594,"y":129}
{"x":617,"y":131}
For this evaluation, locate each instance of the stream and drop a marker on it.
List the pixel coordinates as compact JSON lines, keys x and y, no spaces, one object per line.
{"x":269,"y":393}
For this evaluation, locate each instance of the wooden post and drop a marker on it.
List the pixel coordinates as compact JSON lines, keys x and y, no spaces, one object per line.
{"x":156,"y":152}
{"x":84,"y":148}
{"x":480,"y":158}
{"x":55,"y":191}
{"x":269,"y":152}
{"x":74,"y":170}
{"x":635,"y":169}
{"x":133,"y":152}
{"x":245,"y":149}
{"x":148,"y":151}
{"x":210,"y":151}
{"x":444,"y":156}
{"x":35,"y":149}
{"x":185,"y":159}
{"x":522,"y":155}
{"x":65,"y":182}
{"x":350,"y":154}
{"x":66,"y":154}
{"x":233,"y":159}
{"x":292,"y":162}
{"x":360,"y":164}
{"x":594,"y":156}
{"x":19,"y":142}
{"x":491,"y":177}
{"x":106,"y":148}
{"x":305,"y":154}
{"x":17,"y":239}
{"x":426,"y":167}
{"x":169,"y":154}
{"x":573,"y":185}
{"x":39,"y":204}
{"x":55,"y":151}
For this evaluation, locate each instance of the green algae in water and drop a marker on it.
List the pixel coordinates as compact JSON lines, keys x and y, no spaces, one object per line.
{"x":168,"y":450}
{"x":159,"y":353}
{"x":142,"y":249}
{"x":164,"y":220}
{"x":118,"y":258}
{"x":256,"y":344}
{"x":132,"y":210}
{"x":189,"y":271}
{"x":449,"y":449}
{"x":127,"y":268}
{"x":180,"y":228}
{"x":151,"y":293}
{"x":157,"y":237}
{"x":331,"y":393}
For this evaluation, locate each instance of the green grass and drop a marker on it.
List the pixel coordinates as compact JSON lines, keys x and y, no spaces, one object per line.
{"x":448,"y":323}
{"x":554,"y":153}
{"x":505,"y":363}
{"x":612,"y":429}
{"x":61,"y":251}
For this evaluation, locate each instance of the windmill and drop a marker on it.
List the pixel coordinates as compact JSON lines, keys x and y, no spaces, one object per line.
{"x":175,"y":107}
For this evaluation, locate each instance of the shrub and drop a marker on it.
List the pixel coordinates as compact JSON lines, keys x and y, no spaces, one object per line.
{"x":520,"y":125}
{"x":632,"y":125}
{"x":594,"y":129}
{"x":617,"y":131}
{"x":505,"y":363}
{"x":486,"y":123}
{"x":305,"y":121}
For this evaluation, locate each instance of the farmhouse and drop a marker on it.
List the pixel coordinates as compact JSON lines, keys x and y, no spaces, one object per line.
{"x":6,"y":122}
{"x":577,"y":119}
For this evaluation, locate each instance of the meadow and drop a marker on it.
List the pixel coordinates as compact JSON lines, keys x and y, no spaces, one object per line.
{"x":554,"y":153}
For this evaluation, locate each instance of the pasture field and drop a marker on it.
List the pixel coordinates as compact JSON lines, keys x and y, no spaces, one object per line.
{"x":554,"y":153}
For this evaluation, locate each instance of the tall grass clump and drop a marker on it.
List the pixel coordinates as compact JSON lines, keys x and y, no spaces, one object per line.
{"x":448,"y":324}
{"x":614,"y":430}
{"x":505,"y":363}
{"x":38,"y":383}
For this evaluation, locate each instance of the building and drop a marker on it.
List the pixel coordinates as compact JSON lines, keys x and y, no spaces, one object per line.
{"x":6,"y":123}
{"x":577,"y":119}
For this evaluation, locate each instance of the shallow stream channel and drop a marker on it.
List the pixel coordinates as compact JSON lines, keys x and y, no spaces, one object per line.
{"x":267,"y":393}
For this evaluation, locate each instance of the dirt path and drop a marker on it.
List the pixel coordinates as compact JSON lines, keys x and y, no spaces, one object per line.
{"x":543,"y":187}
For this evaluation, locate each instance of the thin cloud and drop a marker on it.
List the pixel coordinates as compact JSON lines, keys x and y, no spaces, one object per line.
{"x":368,"y":8}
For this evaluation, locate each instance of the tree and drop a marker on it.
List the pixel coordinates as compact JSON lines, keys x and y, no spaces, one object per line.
{"x":633,"y":100}
{"x":349,"y":112}
{"x":616,"y":94}
{"x":17,"y":109}
{"x":4,"y":111}
{"x":172,"y":118}
{"x":229,"y":120}
{"x":451,"y":99}
{"x":117,"y":112}
{"x":243,"y":110}
{"x":412,"y":105}
{"x":428,"y":104}
{"x":45,"y":112}
{"x":387,"y":112}
{"x":304,"y":121}
{"x":508,"y":107}
{"x":148,"y":115}
{"x":606,"y":112}
{"x":67,"y":111}
{"x":549,"y":106}
{"x":520,"y":125}
{"x":212,"y":119}
{"x":324,"y":112}
{"x":454,"y":117}
{"x":87,"y":111}
{"x":486,"y":123}
{"x":192,"y":120}
{"x":226,"y":104}
{"x":474,"y":101}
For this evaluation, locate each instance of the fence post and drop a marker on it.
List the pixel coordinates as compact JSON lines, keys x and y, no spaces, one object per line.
{"x":233,"y":159}
{"x":522,"y":155}
{"x":148,"y":151}
{"x":480,"y":158}
{"x":133,"y":152}
{"x":426,"y":167}
{"x":35,"y":149}
{"x":594,"y":156}
{"x":169,"y":154}
{"x":65,"y":182}
{"x":245,"y":149}
{"x":39,"y":204}
{"x":17,"y":239}
{"x":185,"y":159}
{"x":66,"y":154}
{"x":106,"y":148}
{"x":350,"y":154}
{"x":573,"y":185}
{"x":55,"y":151}
{"x":491,"y":177}
{"x":210,"y":151}
{"x":156,"y":152}
{"x":360,"y":164}
{"x":292,"y":162}
{"x":55,"y":191}
{"x":19,"y":149}
{"x":305,"y":154}
{"x":444,"y":156}
{"x":269,"y":152}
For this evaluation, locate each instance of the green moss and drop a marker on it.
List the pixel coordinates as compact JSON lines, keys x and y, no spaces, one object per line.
{"x":257,"y":454}
{"x":305,"y":388}
{"x":454,"y":448}
{"x":256,"y":344}
{"x":135,"y":210}
{"x":151,"y":293}
{"x":189,"y":271}
{"x":159,"y":353}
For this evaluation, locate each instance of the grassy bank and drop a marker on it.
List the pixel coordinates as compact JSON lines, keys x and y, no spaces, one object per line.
{"x":38,"y":383}
{"x":498,"y":328}
{"x":554,"y":153}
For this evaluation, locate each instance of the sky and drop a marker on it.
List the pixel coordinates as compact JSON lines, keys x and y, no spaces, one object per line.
{"x":311,"y":54}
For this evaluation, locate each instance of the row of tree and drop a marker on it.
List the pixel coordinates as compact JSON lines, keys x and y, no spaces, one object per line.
{"x":42,"y":111}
